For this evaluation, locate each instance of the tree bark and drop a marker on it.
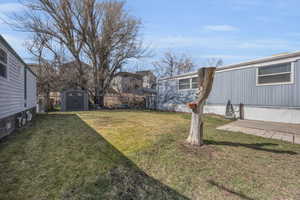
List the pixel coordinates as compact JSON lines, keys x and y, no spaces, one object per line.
{"x":101,"y":101}
{"x":196,"y":130}
{"x":206,"y":77}
{"x":100,"y":93}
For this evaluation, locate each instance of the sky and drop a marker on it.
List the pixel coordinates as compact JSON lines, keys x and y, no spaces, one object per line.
{"x":233,"y":30}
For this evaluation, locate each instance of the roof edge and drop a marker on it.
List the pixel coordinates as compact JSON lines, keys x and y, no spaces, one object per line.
{"x":243,"y":64}
{"x":260,"y":60}
{"x":7,"y":45}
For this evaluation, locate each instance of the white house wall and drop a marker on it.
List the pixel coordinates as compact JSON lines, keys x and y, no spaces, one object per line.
{"x":284,"y":115}
{"x":12,"y":87}
{"x":250,"y":113}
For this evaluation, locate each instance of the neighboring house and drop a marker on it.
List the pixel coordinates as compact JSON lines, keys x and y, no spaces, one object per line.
{"x":126,"y":82}
{"x":269,"y":89}
{"x":132,"y":90}
{"x":18,"y":96}
{"x":149,"y":79}
{"x":55,"y":98}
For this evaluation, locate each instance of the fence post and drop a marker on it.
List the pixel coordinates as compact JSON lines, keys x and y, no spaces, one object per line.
{"x":242,"y":111}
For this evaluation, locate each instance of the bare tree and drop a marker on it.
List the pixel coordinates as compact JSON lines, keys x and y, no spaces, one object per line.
{"x":206,"y":78}
{"x":102,"y":33}
{"x":59,"y":22}
{"x":46,"y":70}
{"x":213,"y":62}
{"x":111,"y":41}
{"x":167,"y":67}
{"x":172,"y":64}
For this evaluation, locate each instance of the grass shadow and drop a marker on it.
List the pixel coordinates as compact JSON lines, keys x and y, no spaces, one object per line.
{"x":70,"y":160}
{"x":221,"y":187}
{"x":255,"y":146}
{"x":126,"y":181}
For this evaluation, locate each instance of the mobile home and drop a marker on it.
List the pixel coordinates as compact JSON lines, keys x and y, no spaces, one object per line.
{"x":268,"y":89}
{"x":17,"y":90}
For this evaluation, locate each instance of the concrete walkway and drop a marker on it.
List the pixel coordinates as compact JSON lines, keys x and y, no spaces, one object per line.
{"x":280,"y":131}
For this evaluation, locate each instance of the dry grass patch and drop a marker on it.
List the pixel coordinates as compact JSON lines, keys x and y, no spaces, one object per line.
{"x":142,"y":155}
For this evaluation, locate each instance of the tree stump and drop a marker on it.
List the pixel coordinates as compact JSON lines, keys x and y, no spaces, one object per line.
{"x":206,"y":77}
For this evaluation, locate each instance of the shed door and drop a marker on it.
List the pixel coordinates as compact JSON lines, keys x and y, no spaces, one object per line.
{"x":75,"y":101}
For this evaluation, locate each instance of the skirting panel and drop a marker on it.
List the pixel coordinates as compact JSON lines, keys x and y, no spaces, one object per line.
{"x":284,"y":115}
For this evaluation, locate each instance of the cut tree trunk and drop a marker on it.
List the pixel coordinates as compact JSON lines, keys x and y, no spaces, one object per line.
{"x":206,"y":77}
{"x":196,"y":130}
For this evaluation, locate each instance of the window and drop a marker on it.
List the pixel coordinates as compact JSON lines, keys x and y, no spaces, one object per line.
{"x":3,"y":63}
{"x":189,"y":83}
{"x":2,"y":70}
{"x":184,"y":84}
{"x":275,"y":74}
{"x":3,"y":56}
{"x":195,"y":83}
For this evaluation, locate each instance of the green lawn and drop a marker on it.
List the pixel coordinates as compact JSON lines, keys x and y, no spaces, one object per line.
{"x":142,"y":155}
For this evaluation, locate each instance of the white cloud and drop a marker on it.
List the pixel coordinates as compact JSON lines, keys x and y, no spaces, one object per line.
{"x":224,"y":28}
{"x":189,"y":42}
{"x":221,"y":43}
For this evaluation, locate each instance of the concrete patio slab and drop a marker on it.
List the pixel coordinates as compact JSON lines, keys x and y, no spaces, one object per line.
{"x":280,"y":131}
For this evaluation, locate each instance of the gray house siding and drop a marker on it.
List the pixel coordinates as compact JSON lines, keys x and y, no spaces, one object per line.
{"x":169,"y":96}
{"x":12,"y":88}
{"x":239,"y":86}
{"x":236,"y":85}
{"x":31,"y":97}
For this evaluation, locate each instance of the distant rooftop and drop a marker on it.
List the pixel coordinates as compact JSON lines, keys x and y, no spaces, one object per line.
{"x":129,"y":74}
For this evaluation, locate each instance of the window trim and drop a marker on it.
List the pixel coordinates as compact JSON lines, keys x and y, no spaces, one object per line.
{"x":190,"y":83}
{"x":6,"y":73}
{"x":5,"y":64}
{"x":279,"y":83}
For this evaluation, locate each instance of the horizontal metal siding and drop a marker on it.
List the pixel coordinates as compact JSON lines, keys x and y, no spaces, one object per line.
{"x":169,"y":96}
{"x":12,"y":87}
{"x":239,"y":86}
